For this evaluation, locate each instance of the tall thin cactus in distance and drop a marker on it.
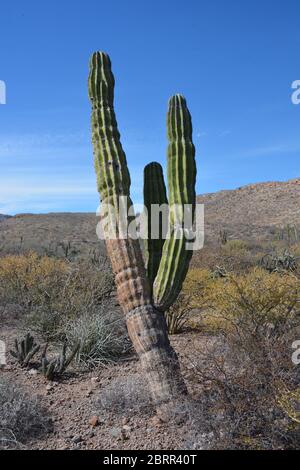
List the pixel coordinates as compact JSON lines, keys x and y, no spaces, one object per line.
{"x":145,"y":293}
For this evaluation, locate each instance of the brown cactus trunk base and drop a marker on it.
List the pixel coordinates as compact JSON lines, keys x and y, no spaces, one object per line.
{"x":147,"y":327}
{"x":148,"y":331}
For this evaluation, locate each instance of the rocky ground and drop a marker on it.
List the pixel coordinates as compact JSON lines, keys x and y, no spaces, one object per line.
{"x":107,"y":408}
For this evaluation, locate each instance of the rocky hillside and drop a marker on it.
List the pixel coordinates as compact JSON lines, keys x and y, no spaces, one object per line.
{"x":60,"y":234}
{"x":254,"y":212}
{"x":3,"y":217}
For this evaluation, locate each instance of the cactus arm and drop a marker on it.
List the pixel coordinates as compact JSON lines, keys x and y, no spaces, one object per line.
{"x":22,"y":348}
{"x":50,"y":370}
{"x":72,"y":355}
{"x":61,"y":360}
{"x":30,"y":354}
{"x":181,"y":183}
{"x":18,"y":351}
{"x":146,"y":325}
{"x":25,"y":350}
{"x":154,"y":193}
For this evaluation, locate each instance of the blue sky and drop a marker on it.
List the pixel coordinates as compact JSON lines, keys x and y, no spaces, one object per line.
{"x":233,"y":60}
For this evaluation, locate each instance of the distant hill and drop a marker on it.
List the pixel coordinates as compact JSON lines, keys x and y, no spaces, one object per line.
{"x":252,"y":212}
{"x":3,"y":217}
{"x":61,"y":234}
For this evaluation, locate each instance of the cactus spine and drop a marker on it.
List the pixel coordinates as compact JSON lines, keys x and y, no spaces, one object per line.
{"x":146,"y":325}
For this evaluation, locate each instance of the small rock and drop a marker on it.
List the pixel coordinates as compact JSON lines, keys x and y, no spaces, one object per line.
{"x":179,"y":419}
{"x":124,"y":435}
{"x":94,"y":421}
{"x":115,"y":432}
{"x":156,"y":421}
{"x":94,"y":380}
{"x":49,"y":387}
{"x":127,"y":428}
{"x":89,"y":393}
{"x":32,"y":372}
{"x":77,"y":439}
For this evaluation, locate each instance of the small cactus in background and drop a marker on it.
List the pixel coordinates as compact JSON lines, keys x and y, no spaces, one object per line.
{"x":289,"y":233}
{"x":25,"y":350}
{"x":279,"y":263}
{"x":223,"y":236}
{"x":219,"y":272}
{"x":145,"y":292}
{"x":56,"y":367}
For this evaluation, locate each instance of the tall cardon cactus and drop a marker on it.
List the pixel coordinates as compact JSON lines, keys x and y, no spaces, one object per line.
{"x":145,"y":292}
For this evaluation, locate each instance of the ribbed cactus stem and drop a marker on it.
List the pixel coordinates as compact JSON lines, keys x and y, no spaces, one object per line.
{"x":155,"y":198}
{"x":113,"y":181}
{"x":181,"y":184}
{"x":146,"y":326}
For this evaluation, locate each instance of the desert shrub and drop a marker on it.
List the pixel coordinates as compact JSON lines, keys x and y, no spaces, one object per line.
{"x":102,"y":335}
{"x":191,"y":297}
{"x":22,"y":418}
{"x":196,"y":281}
{"x":296,"y":250}
{"x":51,"y":291}
{"x":280,"y":262}
{"x":250,"y":395}
{"x":218,"y":302}
{"x":250,"y":388}
{"x":29,"y":279}
{"x":257,"y":297}
{"x":178,"y":314}
{"x":47,"y":323}
{"x":236,"y":256}
{"x":128,"y":394}
{"x":234,"y":246}
{"x":206,"y":258}
{"x":84,"y":288}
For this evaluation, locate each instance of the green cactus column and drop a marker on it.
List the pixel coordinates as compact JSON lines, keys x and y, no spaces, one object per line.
{"x":181,"y":184}
{"x":146,"y":325}
{"x":154,"y":194}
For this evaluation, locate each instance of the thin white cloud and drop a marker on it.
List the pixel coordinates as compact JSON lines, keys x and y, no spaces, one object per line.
{"x":42,"y":190}
{"x":31,"y":144}
{"x":225,"y":133}
{"x":201,"y":134}
{"x":272,"y":150}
